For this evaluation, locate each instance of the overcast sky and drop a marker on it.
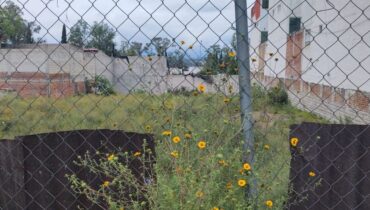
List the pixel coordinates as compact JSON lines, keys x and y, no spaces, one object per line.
{"x":193,"y":21}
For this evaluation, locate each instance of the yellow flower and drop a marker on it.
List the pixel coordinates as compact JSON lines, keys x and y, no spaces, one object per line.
{"x":222,"y":163}
{"x":111,"y":157}
{"x":266,"y":147}
{"x":232,"y":54}
{"x":312,"y":174}
{"x":226,"y":100}
{"x":202,"y":144}
{"x":106,"y":184}
{"x":121,"y":208}
{"x":188,"y":136}
{"x":229,"y":185}
{"x":175,"y":154}
{"x":166,"y":133}
{"x":176,"y":139}
{"x":247,"y":167}
{"x":269,"y":203}
{"x":137,"y":154}
{"x":242,"y":182}
{"x":215,"y":208}
{"x":241,"y":171}
{"x":201,"y":88}
{"x":148,"y":128}
{"x":199,"y":194}
{"x":182,"y":42}
{"x":294,"y":141}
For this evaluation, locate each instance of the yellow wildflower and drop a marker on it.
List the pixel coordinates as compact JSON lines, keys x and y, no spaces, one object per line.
{"x":176,"y":139}
{"x":148,"y":128}
{"x":188,"y":136}
{"x":222,"y":163}
{"x":269,"y":203}
{"x":247,"y":166}
{"x":294,"y":141}
{"x":229,"y":185}
{"x":137,"y":154}
{"x":232,"y":54}
{"x":166,"y":133}
{"x":175,"y":154}
{"x":242,"y":182}
{"x":201,"y":88}
{"x":106,"y":183}
{"x":199,"y":194}
{"x":121,"y":208}
{"x":266,"y":147}
{"x":215,"y":208}
{"x":202,"y":144}
{"x":312,"y":174}
{"x":111,"y":157}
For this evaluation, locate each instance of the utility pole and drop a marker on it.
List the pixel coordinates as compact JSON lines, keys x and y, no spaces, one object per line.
{"x":243,"y":55}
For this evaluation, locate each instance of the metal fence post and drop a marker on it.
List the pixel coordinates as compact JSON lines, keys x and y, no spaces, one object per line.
{"x":245,"y":88}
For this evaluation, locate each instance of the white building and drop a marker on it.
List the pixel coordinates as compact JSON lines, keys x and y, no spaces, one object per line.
{"x":319,"y":41}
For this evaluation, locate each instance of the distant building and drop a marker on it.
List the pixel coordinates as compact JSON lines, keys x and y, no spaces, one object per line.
{"x":325,"y":42}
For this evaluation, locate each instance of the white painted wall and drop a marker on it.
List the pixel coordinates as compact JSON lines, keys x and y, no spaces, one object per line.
{"x":339,"y":55}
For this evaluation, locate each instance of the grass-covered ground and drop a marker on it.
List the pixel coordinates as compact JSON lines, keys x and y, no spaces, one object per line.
{"x":189,"y":177}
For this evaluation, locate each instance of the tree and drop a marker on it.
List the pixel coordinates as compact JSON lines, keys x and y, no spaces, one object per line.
{"x":160,"y":45}
{"x":102,"y":37}
{"x":13,"y":28}
{"x":79,"y":34}
{"x":64,"y":35}
{"x":220,"y":61}
{"x":176,"y":60}
{"x":131,"y":49}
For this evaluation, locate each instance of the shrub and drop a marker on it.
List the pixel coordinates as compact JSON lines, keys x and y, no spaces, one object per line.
{"x":102,"y":86}
{"x":278,"y":95}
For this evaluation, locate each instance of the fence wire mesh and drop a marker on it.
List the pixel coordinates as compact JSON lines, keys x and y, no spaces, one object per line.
{"x":188,"y":104}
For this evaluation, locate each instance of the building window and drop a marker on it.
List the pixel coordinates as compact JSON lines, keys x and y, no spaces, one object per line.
{"x":294,"y":24}
{"x":308,"y":38}
{"x":264,"y":36}
{"x":265,"y":4}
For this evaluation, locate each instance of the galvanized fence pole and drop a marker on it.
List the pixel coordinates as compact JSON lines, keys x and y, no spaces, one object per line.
{"x":245,"y":88}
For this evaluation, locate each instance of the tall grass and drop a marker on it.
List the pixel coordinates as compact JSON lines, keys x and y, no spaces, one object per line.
{"x":198,"y":178}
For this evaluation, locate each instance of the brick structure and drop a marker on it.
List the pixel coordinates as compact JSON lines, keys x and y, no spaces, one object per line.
{"x":332,"y":103}
{"x":294,"y":56}
{"x":34,"y":84}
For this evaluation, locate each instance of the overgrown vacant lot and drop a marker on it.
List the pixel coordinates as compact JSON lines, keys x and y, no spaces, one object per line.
{"x":189,"y":176}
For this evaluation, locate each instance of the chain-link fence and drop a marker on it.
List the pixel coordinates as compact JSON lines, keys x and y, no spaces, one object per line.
{"x":189,"y":104}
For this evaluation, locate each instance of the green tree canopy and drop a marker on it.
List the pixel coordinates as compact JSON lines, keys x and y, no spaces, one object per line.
{"x":79,"y":34}
{"x":13,"y":28}
{"x":102,"y":37}
{"x":131,"y":49}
